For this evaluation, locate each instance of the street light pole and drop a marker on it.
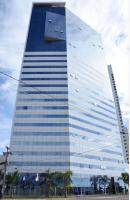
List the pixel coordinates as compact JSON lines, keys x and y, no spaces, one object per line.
{"x":5,"y":168}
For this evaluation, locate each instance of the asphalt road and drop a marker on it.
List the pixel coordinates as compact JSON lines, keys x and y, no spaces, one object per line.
{"x":124,"y":197}
{"x":89,"y":197}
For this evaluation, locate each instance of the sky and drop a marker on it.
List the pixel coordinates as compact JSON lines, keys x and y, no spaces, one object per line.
{"x":110,"y":18}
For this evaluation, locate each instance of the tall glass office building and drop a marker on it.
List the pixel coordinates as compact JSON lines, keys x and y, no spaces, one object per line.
{"x":65,"y":117}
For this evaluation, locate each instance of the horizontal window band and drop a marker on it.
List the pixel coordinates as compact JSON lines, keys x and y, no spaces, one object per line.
{"x":26,"y":67}
{"x":31,"y":163}
{"x":85,"y":129}
{"x":58,"y":153}
{"x":64,"y":153}
{"x":44,"y":72}
{"x":60,"y":164}
{"x":44,"y":56}
{"x":92,"y":166}
{"x":107,"y":104}
{"x":60,"y":61}
{"x":99,"y":119}
{"x":24,"y":133}
{"x":43,"y":79}
{"x":45,"y":63}
{"x":115,"y":168}
{"x":106,"y":109}
{"x":41,"y":63}
{"x":43,"y":85}
{"x":42,"y":124}
{"x":87,"y":122}
{"x":51,"y":53}
{"x":46,"y":143}
{"x":42,"y":100}
{"x":27,"y":133}
{"x":113,"y":160}
{"x":51,"y":164}
{"x":40,"y":116}
{"x":93,"y":97}
{"x":36,"y":153}
{"x":41,"y":107}
{"x":111,"y":152}
{"x":43,"y":92}
{"x":100,"y":113}
{"x":102,"y":107}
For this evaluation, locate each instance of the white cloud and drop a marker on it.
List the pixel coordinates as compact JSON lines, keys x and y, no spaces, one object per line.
{"x":5,"y":131}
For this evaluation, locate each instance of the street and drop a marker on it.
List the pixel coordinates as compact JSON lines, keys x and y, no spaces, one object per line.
{"x":121,"y":197}
{"x":89,"y":197}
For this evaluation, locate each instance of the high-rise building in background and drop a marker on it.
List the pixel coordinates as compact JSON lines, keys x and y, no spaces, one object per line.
{"x":123,"y":130}
{"x":65,"y":117}
{"x":126,"y":143}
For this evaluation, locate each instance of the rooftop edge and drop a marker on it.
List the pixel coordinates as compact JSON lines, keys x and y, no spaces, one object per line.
{"x":57,"y":4}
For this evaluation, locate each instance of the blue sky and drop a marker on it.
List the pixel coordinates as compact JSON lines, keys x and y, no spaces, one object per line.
{"x":109,"y":17}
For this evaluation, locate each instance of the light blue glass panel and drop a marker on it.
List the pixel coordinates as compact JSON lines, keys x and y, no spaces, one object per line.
{"x":55,"y":27}
{"x":91,"y":101}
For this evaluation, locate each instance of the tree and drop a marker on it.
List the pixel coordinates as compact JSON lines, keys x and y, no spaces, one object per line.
{"x":125,"y":178}
{"x":47,"y":182}
{"x":1,"y":182}
{"x":104,"y":180}
{"x":94,"y":183}
{"x":1,"y":177}
{"x":11,"y":180}
{"x":57,"y":181}
{"x":67,"y":181}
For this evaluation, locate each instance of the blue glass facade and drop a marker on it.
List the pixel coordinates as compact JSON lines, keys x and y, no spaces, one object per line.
{"x":65,"y":114}
{"x":92,"y":114}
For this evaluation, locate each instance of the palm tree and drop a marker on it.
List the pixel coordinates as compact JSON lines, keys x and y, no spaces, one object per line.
{"x":11,"y":180}
{"x":67,"y":181}
{"x":125,"y":178}
{"x":48,"y":182}
{"x":57,"y":181}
